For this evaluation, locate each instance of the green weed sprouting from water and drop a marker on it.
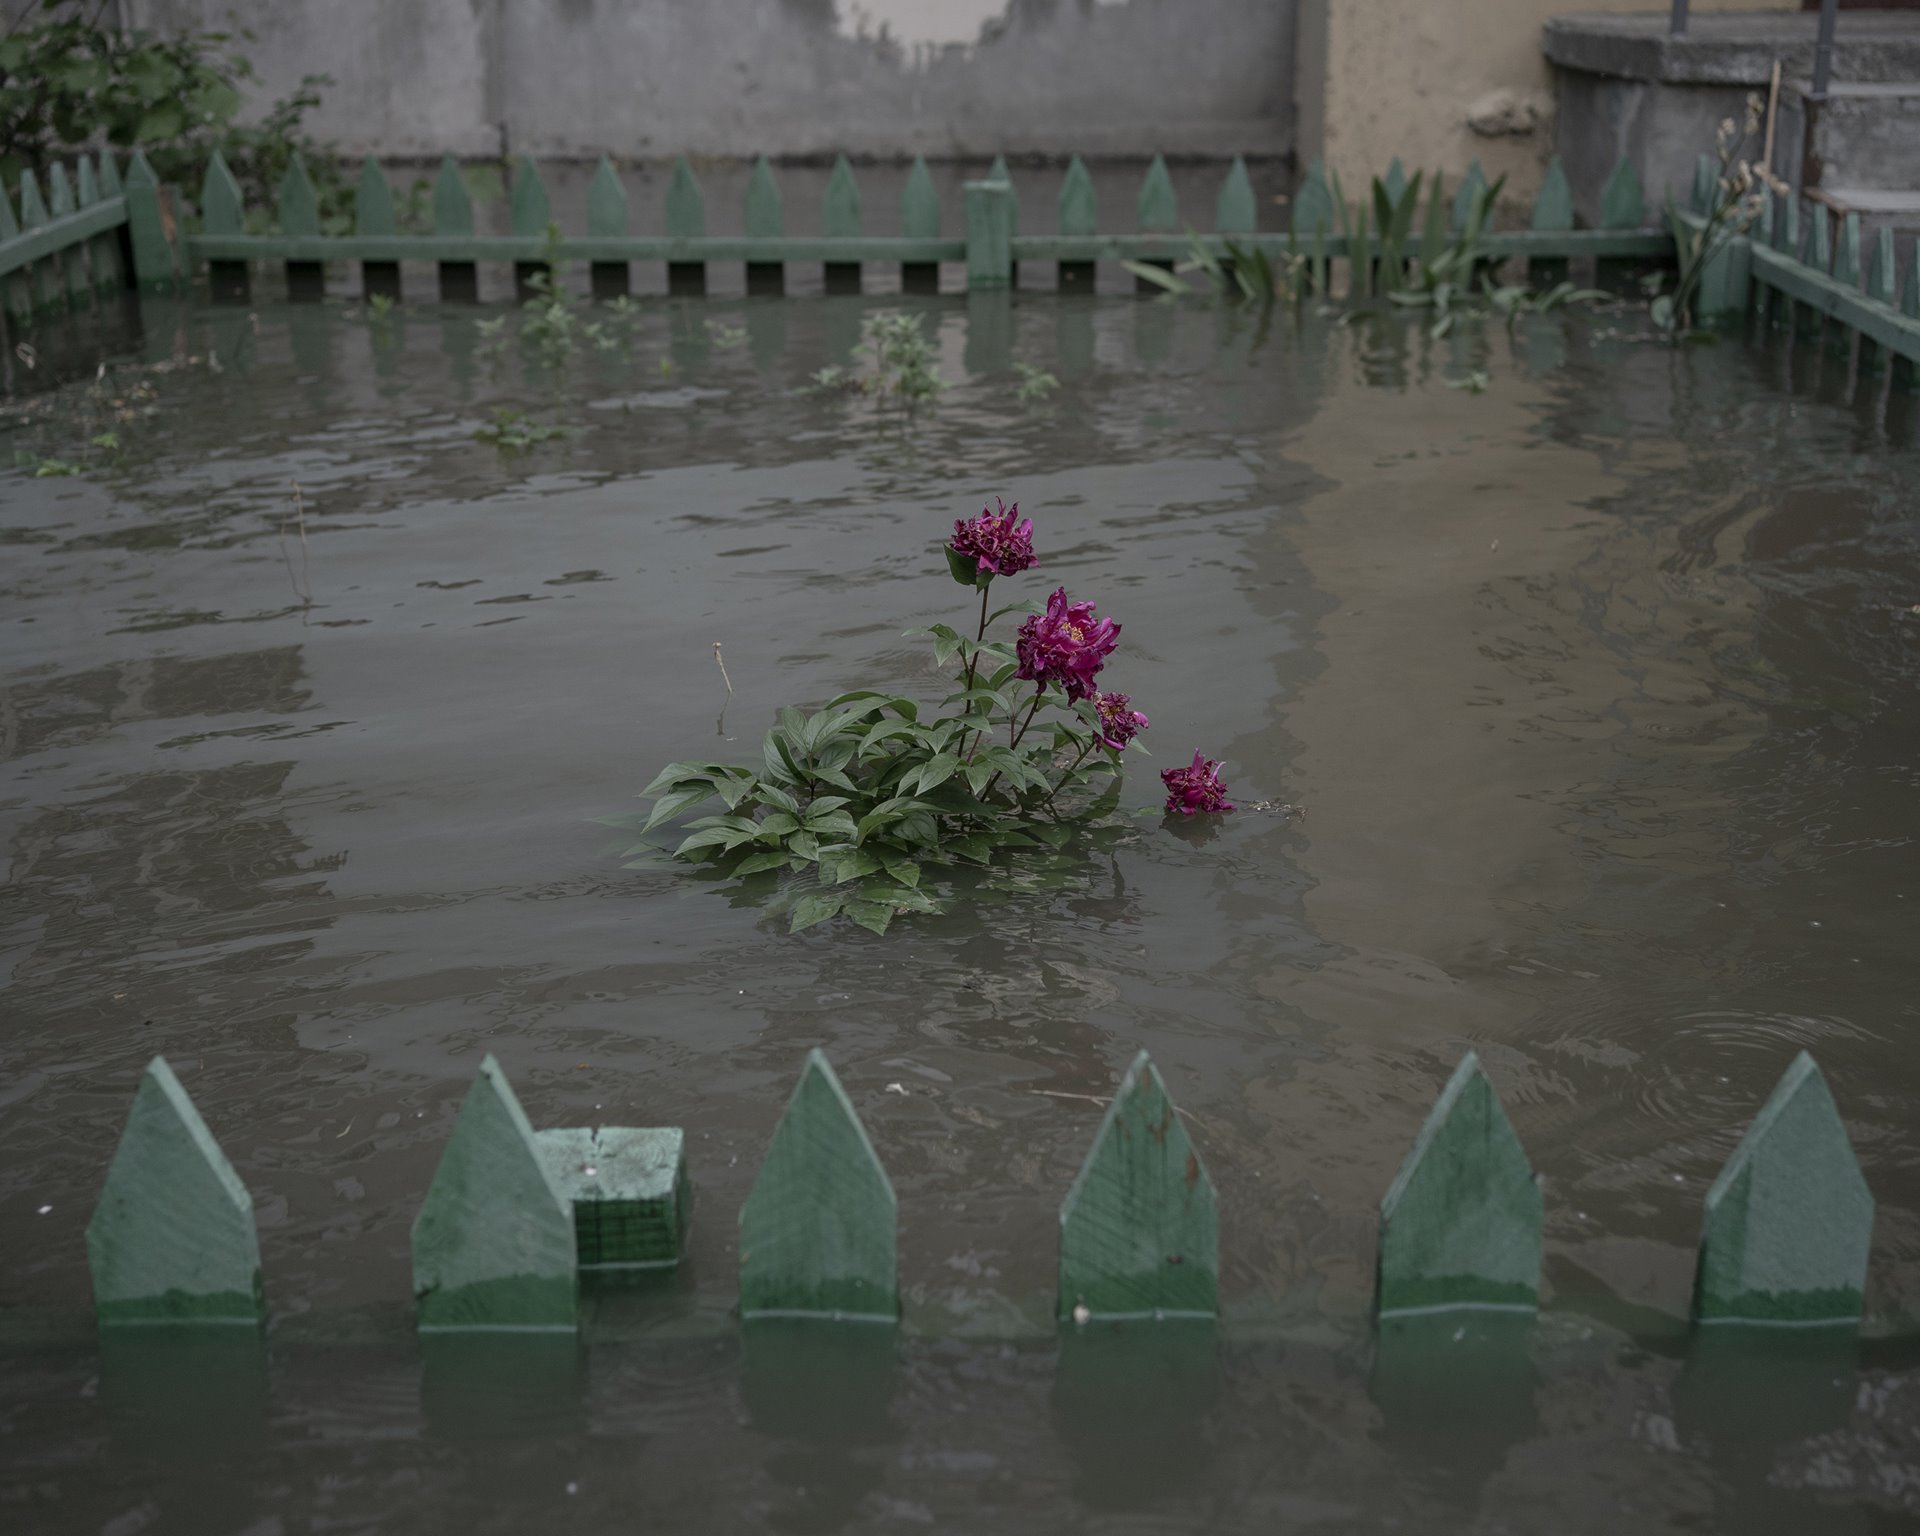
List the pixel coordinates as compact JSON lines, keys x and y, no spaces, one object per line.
{"x":514,"y":431}
{"x":1740,"y":191}
{"x":895,"y":360}
{"x":724,"y":335}
{"x":1035,"y":383}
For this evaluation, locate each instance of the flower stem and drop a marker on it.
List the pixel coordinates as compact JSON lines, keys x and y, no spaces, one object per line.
{"x":980,"y":634}
{"x":1038,"y":694}
{"x":1047,"y":804}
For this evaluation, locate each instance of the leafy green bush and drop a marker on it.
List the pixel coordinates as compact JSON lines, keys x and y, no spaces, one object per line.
{"x":69,"y":81}
{"x":872,"y":805}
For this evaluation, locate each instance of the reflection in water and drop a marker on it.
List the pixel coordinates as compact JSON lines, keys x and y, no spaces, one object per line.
{"x":1593,"y":688}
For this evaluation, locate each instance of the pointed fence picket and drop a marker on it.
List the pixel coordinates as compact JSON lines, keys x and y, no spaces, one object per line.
{"x":531,"y":218}
{"x":765,"y":222}
{"x":686,"y":219}
{"x":69,"y":263}
{"x":840,"y":220}
{"x":452,"y":222}
{"x":373,"y":219}
{"x":33,"y":220}
{"x":919,"y":220}
{"x":299,"y":211}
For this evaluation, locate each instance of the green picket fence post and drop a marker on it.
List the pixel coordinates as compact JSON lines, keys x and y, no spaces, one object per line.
{"x":607,"y":219}
{"x":1077,"y":216}
{"x":1140,"y":1228}
{"x":765,"y":220}
{"x":998,"y":172}
{"x":494,"y":1246}
{"x":172,"y":1239}
{"x":532,"y":218}
{"x":1905,"y":371}
{"x":15,"y":295}
{"x":299,"y":211}
{"x":1460,"y":1226}
{"x":374,"y":219}
{"x":1724,"y":281}
{"x":686,"y":219}
{"x":1817,"y":253}
{"x":920,"y":220}
{"x":1706,"y":177}
{"x":840,"y":219}
{"x":453,"y":217}
{"x":1552,"y":210}
{"x":1786,"y":240}
{"x":103,"y":250}
{"x":1311,"y":224}
{"x":150,"y":228}
{"x":223,"y":212}
{"x":1880,"y":263}
{"x":1760,"y":237}
{"x":1157,"y":212}
{"x":1235,"y":210}
{"x":818,"y":1231}
{"x":989,"y":207}
{"x":70,"y":262}
{"x":44,"y":280}
{"x":629,"y":1193}
{"x":1623,"y":205}
{"x":1790,"y":1219}
{"x":1846,"y":271}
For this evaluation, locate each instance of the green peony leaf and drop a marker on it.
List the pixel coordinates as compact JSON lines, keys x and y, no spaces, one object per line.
{"x":870,"y":915}
{"x":814,"y":907}
{"x":965,"y":569}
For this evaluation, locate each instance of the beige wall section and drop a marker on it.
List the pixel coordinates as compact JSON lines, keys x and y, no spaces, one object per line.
{"x":1379,"y":78}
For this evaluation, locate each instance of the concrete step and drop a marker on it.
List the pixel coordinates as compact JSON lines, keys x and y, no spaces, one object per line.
{"x":1864,"y":135}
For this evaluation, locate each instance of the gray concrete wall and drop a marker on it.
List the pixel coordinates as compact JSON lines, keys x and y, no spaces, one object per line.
{"x":650,"y":78}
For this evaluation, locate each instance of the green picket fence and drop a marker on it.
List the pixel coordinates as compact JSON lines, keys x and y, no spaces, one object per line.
{"x":66,"y":244}
{"x":514,"y":1216}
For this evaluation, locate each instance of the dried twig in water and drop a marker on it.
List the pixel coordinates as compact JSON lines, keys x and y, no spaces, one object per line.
{"x":723,"y":667}
{"x":302,"y":584}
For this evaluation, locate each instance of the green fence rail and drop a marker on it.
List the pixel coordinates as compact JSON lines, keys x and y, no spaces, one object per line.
{"x":514,"y":1216}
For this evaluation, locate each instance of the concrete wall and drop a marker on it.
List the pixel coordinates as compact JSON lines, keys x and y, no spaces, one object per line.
{"x":1439,"y":83}
{"x":648,"y":78}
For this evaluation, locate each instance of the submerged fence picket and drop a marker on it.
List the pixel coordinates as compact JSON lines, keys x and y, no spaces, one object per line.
{"x":513,"y":1216}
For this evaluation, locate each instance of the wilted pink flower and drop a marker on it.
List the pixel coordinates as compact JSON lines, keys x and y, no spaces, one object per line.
{"x":1065,"y":645}
{"x":1118,"y":724}
{"x":992,"y":544}
{"x":1196,"y":788}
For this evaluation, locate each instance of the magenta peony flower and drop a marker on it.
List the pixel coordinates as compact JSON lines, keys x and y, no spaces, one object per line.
{"x":1196,"y":788}
{"x":1065,"y":645}
{"x":993,"y":544}
{"x":1118,"y":724}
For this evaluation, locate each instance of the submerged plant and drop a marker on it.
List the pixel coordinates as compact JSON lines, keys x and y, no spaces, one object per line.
{"x":514,"y":431}
{"x":868,"y":807}
{"x":895,"y":360}
{"x":1035,"y":383}
{"x":1739,"y":193}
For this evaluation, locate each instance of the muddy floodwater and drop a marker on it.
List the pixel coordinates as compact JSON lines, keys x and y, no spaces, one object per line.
{"x":1592,"y":692}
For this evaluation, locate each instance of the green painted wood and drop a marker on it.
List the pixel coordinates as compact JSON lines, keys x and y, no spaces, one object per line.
{"x":1395,"y":181}
{"x":452,"y":204}
{"x":110,"y":183}
{"x":1789,"y":1220}
{"x":629,"y":1192}
{"x":299,"y":203}
{"x":61,"y":204}
{"x":1140,"y":1229}
{"x":149,"y":227}
{"x":840,"y":220}
{"x":222,"y":209}
{"x":43,"y":280}
{"x":172,"y":1239}
{"x":1706,"y":178}
{"x":998,"y":170}
{"x":1880,"y":267}
{"x":373,"y":217}
{"x":531,"y":212}
{"x":840,"y":216}
{"x":1312,"y":203}
{"x":764,"y":216}
{"x":1846,"y":255}
{"x":103,"y":250}
{"x":817,"y":1233}
{"x":1553,"y":208}
{"x":606,"y":201}
{"x":919,"y":204}
{"x":686,"y":214}
{"x":373,"y":202}
{"x":1235,"y":212}
{"x":1078,"y":202}
{"x":1623,"y":201}
{"x":1471,"y":186}
{"x":1157,"y":210}
{"x":989,"y":209}
{"x":1460,"y":1224}
{"x":588,"y":248}
{"x":1905,"y":373}
{"x":453,"y":219}
{"x":494,"y":1248}
{"x":765,"y":220}
{"x":1817,"y":294}
{"x":920,"y":220}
